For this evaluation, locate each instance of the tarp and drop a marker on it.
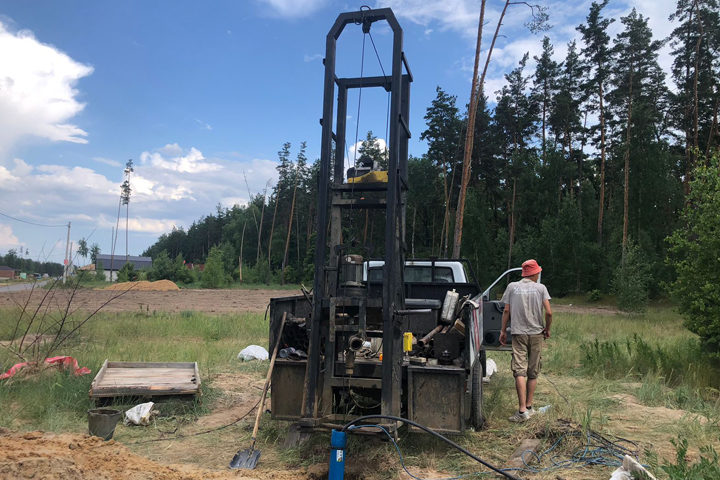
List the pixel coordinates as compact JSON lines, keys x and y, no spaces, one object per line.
{"x":63,"y":362}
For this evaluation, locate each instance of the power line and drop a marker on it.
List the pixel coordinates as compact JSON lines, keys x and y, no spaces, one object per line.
{"x":31,"y":223}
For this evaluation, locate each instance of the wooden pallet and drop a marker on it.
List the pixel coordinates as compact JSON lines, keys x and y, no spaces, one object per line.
{"x":117,"y":379}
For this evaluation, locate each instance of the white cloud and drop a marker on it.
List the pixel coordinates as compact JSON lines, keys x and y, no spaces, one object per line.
{"x":203,"y":125}
{"x":311,"y":58}
{"x":37,"y":90}
{"x":192,"y":162}
{"x":293,"y":8}
{"x":7,"y":238}
{"x":108,"y":161}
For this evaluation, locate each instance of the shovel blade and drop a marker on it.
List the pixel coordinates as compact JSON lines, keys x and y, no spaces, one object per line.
{"x":245,"y":459}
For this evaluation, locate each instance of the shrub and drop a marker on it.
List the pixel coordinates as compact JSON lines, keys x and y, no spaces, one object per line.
{"x":631,"y":281}
{"x":707,"y":467}
{"x":99,"y":272}
{"x":594,"y":295}
{"x":214,"y":275}
{"x":693,"y":253}
{"x":127,"y":273}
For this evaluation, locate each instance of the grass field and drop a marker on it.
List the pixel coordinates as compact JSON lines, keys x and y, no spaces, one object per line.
{"x":638,"y":377}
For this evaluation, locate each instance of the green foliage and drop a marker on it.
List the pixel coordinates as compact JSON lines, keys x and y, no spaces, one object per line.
{"x":675,"y":364}
{"x":162,"y":268}
{"x":214,"y":276}
{"x":693,"y":253}
{"x":127,"y":273}
{"x":631,"y":280}
{"x":705,"y":468}
{"x":594,"y":295}
{"x":99,"y":272}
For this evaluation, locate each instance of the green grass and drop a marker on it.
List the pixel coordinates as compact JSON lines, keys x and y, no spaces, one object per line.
{"x":590,"y":360}
{"x":58,"y":401}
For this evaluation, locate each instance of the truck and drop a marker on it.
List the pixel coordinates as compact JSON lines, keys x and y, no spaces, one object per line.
{"x":386,"y":335}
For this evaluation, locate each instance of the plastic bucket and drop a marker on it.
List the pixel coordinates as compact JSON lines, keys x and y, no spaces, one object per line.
{"x":102,"y":421}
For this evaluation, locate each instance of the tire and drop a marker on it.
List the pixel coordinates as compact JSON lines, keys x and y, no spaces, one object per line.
{"x":476,"y":397}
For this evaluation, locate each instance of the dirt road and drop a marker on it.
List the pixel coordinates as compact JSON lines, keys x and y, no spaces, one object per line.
{"x":209,"y":301}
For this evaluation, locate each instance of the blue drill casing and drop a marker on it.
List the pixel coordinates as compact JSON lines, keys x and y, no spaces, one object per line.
{"x":338,"y":441}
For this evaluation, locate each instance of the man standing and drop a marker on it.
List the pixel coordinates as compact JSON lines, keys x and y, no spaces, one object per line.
{"x":524,"y":303}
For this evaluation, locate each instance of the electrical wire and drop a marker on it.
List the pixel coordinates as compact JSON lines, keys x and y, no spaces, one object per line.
{"x":434,"y":433}
{"x":597,"y":450}
{"x":32,"y":223}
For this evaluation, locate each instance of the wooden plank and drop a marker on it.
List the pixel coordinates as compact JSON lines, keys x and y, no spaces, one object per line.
{"x":146,"y":379}
{"x":197,"y":375}
{"x":98,"y":378}
{"x":189,"y":365}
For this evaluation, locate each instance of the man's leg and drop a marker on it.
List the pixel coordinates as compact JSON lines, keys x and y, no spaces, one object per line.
{"x":531,"y":384}
{"x":535,"y":344}
{"x":521,"y":385}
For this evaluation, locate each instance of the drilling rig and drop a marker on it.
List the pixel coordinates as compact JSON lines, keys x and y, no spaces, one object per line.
{"x":377,"y":335}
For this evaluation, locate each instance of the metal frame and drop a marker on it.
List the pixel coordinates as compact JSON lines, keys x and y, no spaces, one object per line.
{"x":331,"y":201}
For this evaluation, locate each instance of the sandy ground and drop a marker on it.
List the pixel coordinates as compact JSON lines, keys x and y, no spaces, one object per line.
{"x":41,"y":455}
{"x":209,"y":301}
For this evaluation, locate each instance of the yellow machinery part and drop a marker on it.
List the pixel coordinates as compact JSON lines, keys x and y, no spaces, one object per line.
{"x":376,"y":176}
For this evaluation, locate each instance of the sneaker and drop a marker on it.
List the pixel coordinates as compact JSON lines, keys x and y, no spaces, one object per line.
{"x":530,"y":411}
{"x":520,"y":417}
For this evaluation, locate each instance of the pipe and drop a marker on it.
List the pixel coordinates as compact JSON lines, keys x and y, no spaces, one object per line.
{"x":423,"y":341}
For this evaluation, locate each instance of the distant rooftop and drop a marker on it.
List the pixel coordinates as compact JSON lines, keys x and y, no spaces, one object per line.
{"x":118,"y":261}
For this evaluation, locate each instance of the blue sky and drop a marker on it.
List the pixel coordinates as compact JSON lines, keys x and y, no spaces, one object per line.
{"x":202,"y":95}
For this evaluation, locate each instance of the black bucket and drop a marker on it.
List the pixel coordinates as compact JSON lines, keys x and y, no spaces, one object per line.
{"x":102,"y":421}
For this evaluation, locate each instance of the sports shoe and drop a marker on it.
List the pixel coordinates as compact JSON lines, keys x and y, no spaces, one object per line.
{"x":520,"y":417}
{"x":530,"y":411}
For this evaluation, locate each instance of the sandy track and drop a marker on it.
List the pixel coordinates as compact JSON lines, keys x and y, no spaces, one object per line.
{"x":209,"y":301}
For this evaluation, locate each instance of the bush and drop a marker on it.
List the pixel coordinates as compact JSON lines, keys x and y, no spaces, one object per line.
{"x":214,"y":275}
{"x":99,"y":272}
{"x":631,"y":281}
{"x":594,"y":295}
{"x":693,"y":253}
{"x":707,"y":467}
{"x":127,"y":273}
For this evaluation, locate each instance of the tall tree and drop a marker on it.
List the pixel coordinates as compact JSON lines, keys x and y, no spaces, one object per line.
{"x":565,"y":114}
{"x":545,"y":83}
{"x":516,"y":116}
{"x":696,"y":47}
{"x":443,"y":134}
{"x":637,"y":97}
{"x":597,"y":57}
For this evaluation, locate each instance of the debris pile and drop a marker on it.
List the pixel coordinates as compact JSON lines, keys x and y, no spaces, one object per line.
{"x":144,"y":285}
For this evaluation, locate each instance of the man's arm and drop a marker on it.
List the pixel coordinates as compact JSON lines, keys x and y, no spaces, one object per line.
{"x":548,"y":318}
{"x":505,"y":320}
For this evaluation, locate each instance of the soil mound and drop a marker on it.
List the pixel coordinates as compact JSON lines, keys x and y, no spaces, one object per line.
{"x":40,"y":455}
{"x":145,"y":286}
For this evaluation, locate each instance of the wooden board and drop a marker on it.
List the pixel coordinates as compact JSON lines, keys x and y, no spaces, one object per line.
{"x":116,"y":379}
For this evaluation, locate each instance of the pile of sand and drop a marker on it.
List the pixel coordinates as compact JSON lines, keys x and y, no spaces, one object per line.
{"x":40,"y":455}
{"x":144,"y":285}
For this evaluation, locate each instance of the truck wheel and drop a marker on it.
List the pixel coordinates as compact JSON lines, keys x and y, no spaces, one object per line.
{"x":476,"y":400}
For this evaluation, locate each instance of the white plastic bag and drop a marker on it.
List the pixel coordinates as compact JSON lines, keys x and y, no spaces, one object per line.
{"x":490,"y":369}
{"x":253,"y":352}
{"x":140,"y":414}
{"x":630,"y":466}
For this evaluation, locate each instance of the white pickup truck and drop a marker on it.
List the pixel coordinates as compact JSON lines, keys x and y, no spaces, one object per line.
{"x":421,"y":271}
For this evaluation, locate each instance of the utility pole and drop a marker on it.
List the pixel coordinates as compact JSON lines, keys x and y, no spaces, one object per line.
{"x":67,"y":253}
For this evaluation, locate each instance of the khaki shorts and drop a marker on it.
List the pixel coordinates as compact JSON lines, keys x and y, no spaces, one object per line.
{"x":527,"y":355}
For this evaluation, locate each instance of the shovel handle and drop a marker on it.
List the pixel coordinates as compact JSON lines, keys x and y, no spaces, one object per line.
{"x":261,"y":407}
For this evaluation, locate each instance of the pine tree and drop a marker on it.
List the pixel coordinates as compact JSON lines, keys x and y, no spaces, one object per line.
{"x":636,"y":99}
{"x":597,"y":58}
{"x":696,"y":47}
{"x":545,"y":83}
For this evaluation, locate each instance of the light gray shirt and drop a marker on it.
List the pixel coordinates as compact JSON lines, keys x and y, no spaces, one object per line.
{"x":526,"y":306}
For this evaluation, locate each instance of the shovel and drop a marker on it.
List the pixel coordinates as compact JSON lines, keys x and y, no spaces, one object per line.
{"x":249,"y":457}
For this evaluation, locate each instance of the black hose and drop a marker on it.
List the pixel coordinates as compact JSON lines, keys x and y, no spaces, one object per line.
{"x":432,"y":432}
